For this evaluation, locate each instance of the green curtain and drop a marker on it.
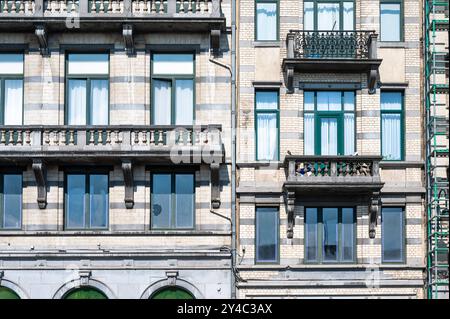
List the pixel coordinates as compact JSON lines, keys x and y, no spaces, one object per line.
{"x":85,"y":293}
{"x":6,"y":293}
{"x":172,"y":293}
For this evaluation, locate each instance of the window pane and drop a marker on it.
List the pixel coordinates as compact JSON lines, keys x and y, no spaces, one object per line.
{"x":184,"y":110}
{"x":11,"y":63}
{"x":267,"y":234}
{"x":309,"y":101}
{"x":88,"y":64}
{"x":349,"y":133}
{"x":392,"y":234}
{"x":349,"y":101}
{"x":162,"y":91}
{"x":328,"y":135}
{"x":330,"y":232}
{"x":309,"y":133}
{"x":391,"y":101}
{"x":267,"y":136}
{"x":311,"y":220}
{"x":99,"y":202}
{"x":12,"y":200}
{"x":99,"y":102}
{"x":348,"y":236}
{"x":266,"y":22}
{"x":75,"y":201}
{"x":390,"y":21}
{"x":329,"y":101}
{"x":266,"y":100}
{"x":327,"y":16}
{"x":173,"y":64}
{"x":308,"y":16}
{"x":13,"y":102}
{"x":391,"y":136}
{"x":77,"y":102}
{"x":185,"y":202}
{"x":348,"y":16}
{"x":161,"y":200}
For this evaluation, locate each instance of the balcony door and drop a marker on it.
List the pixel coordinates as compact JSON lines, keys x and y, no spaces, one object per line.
{"x":326,"y":15}
{"x":328,"y":131}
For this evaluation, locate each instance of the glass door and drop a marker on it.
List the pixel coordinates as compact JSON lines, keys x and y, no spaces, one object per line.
{"x":330,"y":127}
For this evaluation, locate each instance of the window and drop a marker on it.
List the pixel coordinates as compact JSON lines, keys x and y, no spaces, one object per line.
{"x":329,"y":235}
{"x":86,"y":201}
{"x":11,"y":89}
{"x":267,"y":234}
{"x":173,"y":201}
{"x":266,"y":20}
{"x":392,"y":125}
{"x":173,"y":89}
{"x":328,"y":15}
{"x":329,"y":122}
{"x":87,"y":91}
{"x":392,"y":234}
{"x":10,"y":201}
{"x":267,"y":120}
{"x":391,"y":20}
{"x":86,"y":292}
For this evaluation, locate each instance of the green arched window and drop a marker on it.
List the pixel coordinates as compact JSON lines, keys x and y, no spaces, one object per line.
{"x":6,"y":293}
{"x":85,"y":293}
{"x":172,"y":293}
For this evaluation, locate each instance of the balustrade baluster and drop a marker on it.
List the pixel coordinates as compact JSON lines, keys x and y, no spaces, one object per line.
{"x":100,"y":137}
{"x":152,"y":137}
{"x":91,"y":137}
{"x":160,"y":137}
{"x":63,"y":137}
{"x":47,"y":137}
{"x":27,"y":137}
{"x":161,"y":6}
{"x":71,"y":137}
{"x":2,"y":137}
{"x":108,"y":136}
{"x":144,"y":137}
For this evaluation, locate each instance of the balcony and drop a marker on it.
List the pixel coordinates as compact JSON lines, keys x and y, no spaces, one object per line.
{"x":332,"y":51}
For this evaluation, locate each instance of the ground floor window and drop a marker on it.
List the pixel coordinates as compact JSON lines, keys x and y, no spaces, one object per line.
{"x":267,"y":237}
{"x":172,"y":293}
{"x":392,"y":234}
{"x":6,"y":293}
{"x":85,"y":293}
{"x":10,"y":201}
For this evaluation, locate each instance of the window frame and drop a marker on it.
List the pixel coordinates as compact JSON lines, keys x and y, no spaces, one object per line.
{"x":402,"y":18}
{"x":341,"y":13}
{"x":277,"y":230}
{"x":277,"y":31}
{"x":172,"y":174}
{"x":88,"y":78}
{"x":403,"y":244}
{"x":87,"y":213}
{"x":2,"y":213}
{"x":3,"y":78}
{"x":402,"y":125}
{"x":319,"y":249}
{"x":330,"y":114}
{"x":268,"y":111}
{"x":172,"y":78}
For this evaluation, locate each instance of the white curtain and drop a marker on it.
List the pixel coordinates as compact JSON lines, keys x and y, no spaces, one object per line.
{"x":349,"y":134}
{"x":327,"y":16}
{"x":77,"y":102}
{"x":184,"y":110}
{"x":390,"y":21}
{"x":391,"y":136}
{"x":348,"y":16}
{"x":13,"y":102}
{"x":309,"y":134}
{"x":329,"y":101}
{"x":266,"y":21}
{"x":328,"y":127}
{"x":308,"y":16}
{"x":267,"y":136}
{"x":99,"y":102}
{"x":163,"y":102}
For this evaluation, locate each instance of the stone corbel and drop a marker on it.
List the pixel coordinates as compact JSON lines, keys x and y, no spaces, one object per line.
{"x":215,"y":185}
{"x":85,"y":275}
{"x":42,"y":36}
{"x":215,"y":39}
{"x":127,"y":33}
{"x":290,"y":79}
{"x":372,"y":80}
{"x":40,"y":173}
{"x":127,"y":169}
{"x":290,"y":208}
{"x":172,"y":277}
{"x":374,"y":209}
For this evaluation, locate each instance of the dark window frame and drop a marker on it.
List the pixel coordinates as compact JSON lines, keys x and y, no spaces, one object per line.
{"x":341,"y":13}
{"x":277,"y":231}
{"x":268,"y":111}
{"x":402,"y":18}
{"x":277,"y":31}
{"x":2,"y":213}
{"x":402,"y":260}
{"x":3,"y":78}
{"x":402,"y":124}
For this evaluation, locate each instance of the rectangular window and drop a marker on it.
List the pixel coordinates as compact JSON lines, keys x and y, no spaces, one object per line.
{"x":173,"y":201}
{"x":392,"y":125}
{"x":267,"y":224}
{"x":87,"y":201}
{"x":87,"y":89}
{"x":329,"y":235}
{"x":328,"y":15}
{"x":329,"y":122}
{"x":267,"y":124}
{"x":390,"y":20}
{"x":392,"y":225}
{"x":173,"y":89}
{"x":10,"y":201}
{"x":11,"y":89}
{"x":266,"y":20}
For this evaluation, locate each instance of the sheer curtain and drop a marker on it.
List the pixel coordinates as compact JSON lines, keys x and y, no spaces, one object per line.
{"x":267,"y":136}
{"x":309,"y":134}
{"x":308,"y":16}
{"x":348,"y":16}
{"x":329,"y":101}
{"x":328,"y":127}
{"x":13,"y":102}
{"x":266,"y":21}
{"x":184,"y":110}
{"x":327,"y":16}
{"x":162,"y":92}
{"x":390,"y":21}
{"x":349,"y":134}
{"x":99,"y":102}
{"x":391,"y":136}
{"x":77,"y":102}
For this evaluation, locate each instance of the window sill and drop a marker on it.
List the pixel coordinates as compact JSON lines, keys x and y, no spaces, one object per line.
{"x":266,"y":44}
{"x":392,"y":44}
{"x":401,"y":164}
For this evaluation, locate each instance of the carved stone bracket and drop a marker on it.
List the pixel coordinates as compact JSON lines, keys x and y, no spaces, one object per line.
{"x":374,"y":209}
{"x":290,"y":208}
{"x":372,"y":80}
{"x":215,"y":185}
{"x":127,"y":169}
{"x":40,"y":173}
{"x":172,"y":277}
{"x":215,"y":39}
{"x":127,"y":33}
{"x":42,"y":36}
{"x":85,"y":275}
{"x":290,"y":79}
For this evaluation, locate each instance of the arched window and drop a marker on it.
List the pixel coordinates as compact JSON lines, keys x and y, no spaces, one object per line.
{"x":85,"y":293}
{"x":172,"y":293}
{"x":6,"y":293}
